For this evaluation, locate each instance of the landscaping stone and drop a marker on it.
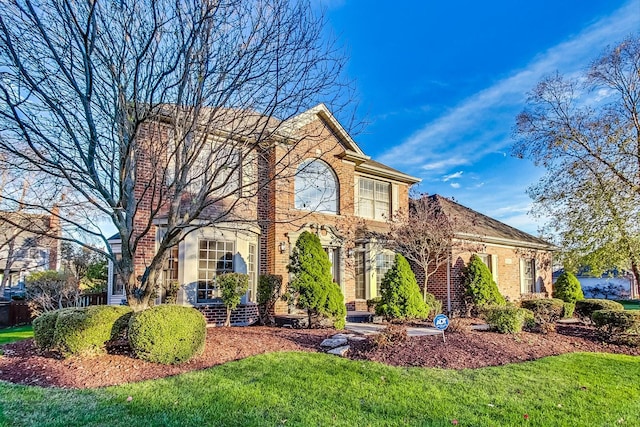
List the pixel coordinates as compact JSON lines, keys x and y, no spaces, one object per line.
{"x":333,"y":343}
{"x":339,"y":351}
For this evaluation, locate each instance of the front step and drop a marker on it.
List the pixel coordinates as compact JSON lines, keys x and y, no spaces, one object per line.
{"x":360,"y":317}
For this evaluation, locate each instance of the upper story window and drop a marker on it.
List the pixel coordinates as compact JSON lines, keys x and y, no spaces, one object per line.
{"x":374,"y":199}
{"x":316,"y":187}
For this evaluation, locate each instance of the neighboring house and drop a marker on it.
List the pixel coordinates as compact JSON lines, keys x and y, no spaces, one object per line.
{"x":328,"y":186}
{"x":27,"y":243}
{"x":519,"y":262}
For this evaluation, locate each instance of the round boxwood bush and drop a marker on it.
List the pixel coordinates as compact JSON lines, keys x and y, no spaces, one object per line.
{"x":545,"y":310}
{"x":167,"y":334}
{"x":506,"y":319}
{"x":586,"y":307}
{"x":617,"y":322}
{"x":85,"y":330}
{"x":44,"y":328}
{"x":567,"y":288}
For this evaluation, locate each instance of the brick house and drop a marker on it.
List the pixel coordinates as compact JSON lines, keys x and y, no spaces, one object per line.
{"x":520,"y":263}
{"x":318,"y":179}
{"x":324,"y":183}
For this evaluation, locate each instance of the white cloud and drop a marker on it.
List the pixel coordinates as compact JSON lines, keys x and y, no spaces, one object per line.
{"x":485,"y":119}
{"x":452,"y":176}
{"x":455,"y":184}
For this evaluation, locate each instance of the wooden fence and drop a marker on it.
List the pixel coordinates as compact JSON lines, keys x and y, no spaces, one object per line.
{"x":18,"y":313}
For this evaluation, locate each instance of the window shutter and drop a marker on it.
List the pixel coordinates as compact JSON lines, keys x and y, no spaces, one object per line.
{"x":356,"y":196}
{"x":494,"y":267}
{"x":395,"y":204}
{"x":522,"y":278}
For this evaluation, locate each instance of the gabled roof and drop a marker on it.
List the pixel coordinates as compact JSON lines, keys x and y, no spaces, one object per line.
{"x":352,"y":152}
{"x":479,"y":227}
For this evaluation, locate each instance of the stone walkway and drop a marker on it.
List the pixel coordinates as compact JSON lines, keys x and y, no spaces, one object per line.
{"x":338,"y":344}
{"x":374,"y":328}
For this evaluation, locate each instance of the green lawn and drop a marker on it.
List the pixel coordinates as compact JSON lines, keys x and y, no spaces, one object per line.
{"x":630,"y":304}
{"x":15,"y":334}
{"x":308,"y":389}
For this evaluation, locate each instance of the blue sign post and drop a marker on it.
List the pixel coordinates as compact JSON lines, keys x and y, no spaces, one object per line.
{"x":441,"y":322}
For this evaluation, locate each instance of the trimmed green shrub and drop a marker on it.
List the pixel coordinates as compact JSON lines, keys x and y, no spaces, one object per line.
{"x":567,"y":288}
{"x":545,"y":310}
{"x":505,"y":319}
{"x":479,"y":284}
{"x":586,"y":307}
{"x":85,"y":330}
{"x":269,"y":290}
{"x":615,"y":322}
{"x":313,"y":284}
{"x":44,"y":328}
{"x":568,"y":309}
{"x":168,"y":334}
{"x":434,"y":304}
{"x":232,"y":287}
{"x":400,"y":295}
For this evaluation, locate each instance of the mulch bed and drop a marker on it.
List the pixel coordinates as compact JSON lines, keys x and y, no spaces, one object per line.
{"x":24,"y":364}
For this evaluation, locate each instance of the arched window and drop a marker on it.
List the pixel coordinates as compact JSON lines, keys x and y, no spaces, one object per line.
{"x":316,"y":187}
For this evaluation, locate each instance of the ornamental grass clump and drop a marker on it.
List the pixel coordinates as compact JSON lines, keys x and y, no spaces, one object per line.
{"x":567,"y":288}
{"x":400,"y":295}
{"x":167,"y":334}
{"x":312,"y":285}
{"x":479,"y":285}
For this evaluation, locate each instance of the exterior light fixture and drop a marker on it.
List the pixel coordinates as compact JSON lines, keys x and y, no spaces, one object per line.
{"x":283,"y":247}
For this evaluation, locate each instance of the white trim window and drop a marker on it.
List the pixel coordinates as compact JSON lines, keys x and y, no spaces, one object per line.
{"x":374,"y":199}
{"x":528,"y":276}
{"x":252,"y":271}
{"x":384,"y":262}
{"x":214,"y":258}
{"x":316,"y":187}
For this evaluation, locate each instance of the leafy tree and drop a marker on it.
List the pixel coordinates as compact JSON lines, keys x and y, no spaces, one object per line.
{"x":479,"y":284}
{"x":269,"y":291}
{"x":586,"y":133}
{"x":232,"y":287}
{"x":312,"y":281}
{"x":400,"y":294}
{"x":87,"y":266}
{"x":567,"y":288}
{"x":115,"y":103}
{"x":426,"y":235}
{"x":50,"y":290}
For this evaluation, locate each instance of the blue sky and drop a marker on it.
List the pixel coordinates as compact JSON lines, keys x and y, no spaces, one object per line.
{"x":439,"y":84}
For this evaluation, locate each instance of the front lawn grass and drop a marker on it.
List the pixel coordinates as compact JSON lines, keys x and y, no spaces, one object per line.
{"x":308,"y":389}
{"x":9,"y":335}
{"x":630,"y":304}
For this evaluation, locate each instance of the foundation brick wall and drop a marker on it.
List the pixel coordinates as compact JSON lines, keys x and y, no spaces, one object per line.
{"x":243,"y":315}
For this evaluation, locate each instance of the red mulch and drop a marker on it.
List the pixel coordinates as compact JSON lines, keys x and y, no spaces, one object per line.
{"x":24,"y":364}
{"x":476,"y":349}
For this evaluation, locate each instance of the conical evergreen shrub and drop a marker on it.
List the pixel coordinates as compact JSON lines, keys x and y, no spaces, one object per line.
{"x":479,"y":284}
{"x":401,"y":297}
{"x":567,"y":288}
{"x":313,"y":283}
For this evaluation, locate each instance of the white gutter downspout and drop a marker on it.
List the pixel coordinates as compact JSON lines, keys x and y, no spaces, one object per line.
{"x":449,"y":284}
